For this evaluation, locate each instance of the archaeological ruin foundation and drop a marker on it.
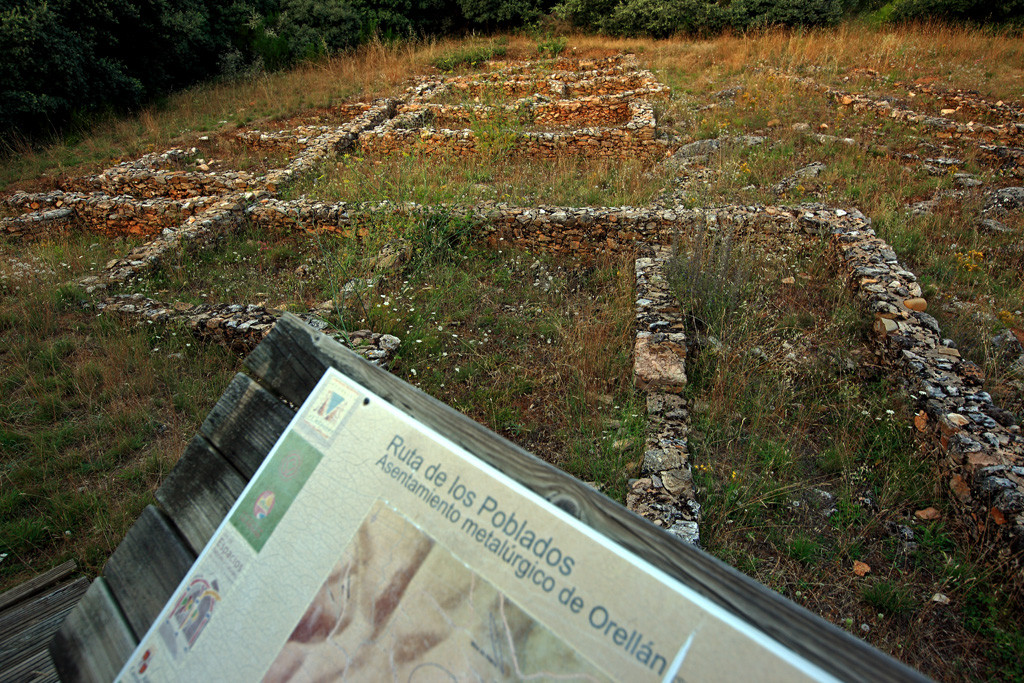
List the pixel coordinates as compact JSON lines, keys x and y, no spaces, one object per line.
{"x":598,"y":108}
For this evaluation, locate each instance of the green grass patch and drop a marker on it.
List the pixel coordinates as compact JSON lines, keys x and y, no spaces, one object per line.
{"x":567,"y":181}
{"x":87,"y":427}
{"x":805,"y":459}
{"x":890,"y":597}
{"x":488,"y":332}
{"x":469,"y":56}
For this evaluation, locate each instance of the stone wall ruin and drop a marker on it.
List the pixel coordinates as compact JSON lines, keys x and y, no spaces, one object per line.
{"x":594,"y":108}
{"x":607,"y":112}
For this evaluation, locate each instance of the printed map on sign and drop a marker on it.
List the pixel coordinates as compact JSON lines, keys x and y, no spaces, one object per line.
{"x":370,"y":547}
{"x":399,"y":602}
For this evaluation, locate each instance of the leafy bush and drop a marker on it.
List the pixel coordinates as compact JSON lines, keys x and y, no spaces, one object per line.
{"x":311,"y":28}
{"x":262,"y":44}
{"x":46,"y":69}
{"x":65,"y":57}
{"x":586,"y":13}
{"x":753,"y":14}
{"x":394,"y":19}
{"x":662,"y":19}
{"x":551,"y":46}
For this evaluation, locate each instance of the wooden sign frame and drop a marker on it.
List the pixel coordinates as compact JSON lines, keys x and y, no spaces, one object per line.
{"x":119,"y":608}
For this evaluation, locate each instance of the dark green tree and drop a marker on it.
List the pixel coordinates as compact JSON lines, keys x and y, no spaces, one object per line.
{"x":586,"y":13}
{"x":960,"y":10}
{"x":393,"y":19}
{"x":494,"y":13}
{"x":61,"y":58}
{"x":48,"y":71}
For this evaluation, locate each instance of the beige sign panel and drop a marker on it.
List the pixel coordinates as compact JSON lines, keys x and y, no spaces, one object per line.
{"x":369,"y":547}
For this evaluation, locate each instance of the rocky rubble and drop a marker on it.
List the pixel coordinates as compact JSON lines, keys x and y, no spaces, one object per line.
{"x":998,"y":143}
{"x":810,"y":171}
{"x":982,"y":445}
{"x":954,"y":101}
{"x":239,"y":327}
{"x":1002,"y":201}
{"x":945,"y":127}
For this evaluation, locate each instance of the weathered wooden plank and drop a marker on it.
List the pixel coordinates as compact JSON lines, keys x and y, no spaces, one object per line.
{"x":22,"y":616}
{"x":36,"y":584}
{"x":246,"y":423}
{"x":37,"y":668}
{"x":34,"y":635}
{"x":199,"y":491}
{"x":292,"y":359}
{"x":95,"y":640}
{"x":24,"y":665}
{"x":146,"y":568}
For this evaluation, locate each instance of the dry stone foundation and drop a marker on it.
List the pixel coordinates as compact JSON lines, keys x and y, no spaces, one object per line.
{"x":578,"y":231}
{"x":103,"y":214}
{"x":982,"y":444}
{"x":612,"y":103}
{"x":240,"y":327}
{"x":146,"y":183}
{"x":998,"y":143}
{"x":664,"y":493}
{"x":593,"y":108}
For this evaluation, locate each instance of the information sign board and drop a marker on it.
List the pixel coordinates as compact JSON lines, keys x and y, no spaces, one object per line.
{"x":370,"y":547}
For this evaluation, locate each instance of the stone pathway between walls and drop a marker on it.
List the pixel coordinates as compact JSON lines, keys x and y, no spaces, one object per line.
{"x":598,"y":108}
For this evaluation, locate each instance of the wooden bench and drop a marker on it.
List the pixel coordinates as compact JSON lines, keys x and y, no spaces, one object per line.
{"x":117,"y":610}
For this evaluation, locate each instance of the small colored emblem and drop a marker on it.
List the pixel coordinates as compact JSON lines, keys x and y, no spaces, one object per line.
{"x":328,"y":410}
{"x":264,"y":504}
{"x":333,"y":403}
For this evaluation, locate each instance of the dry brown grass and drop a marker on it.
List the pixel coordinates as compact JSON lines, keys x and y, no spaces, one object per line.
{"x":373,"y":70}
{"x":960,"y":57}
{"x":968,"y":58}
